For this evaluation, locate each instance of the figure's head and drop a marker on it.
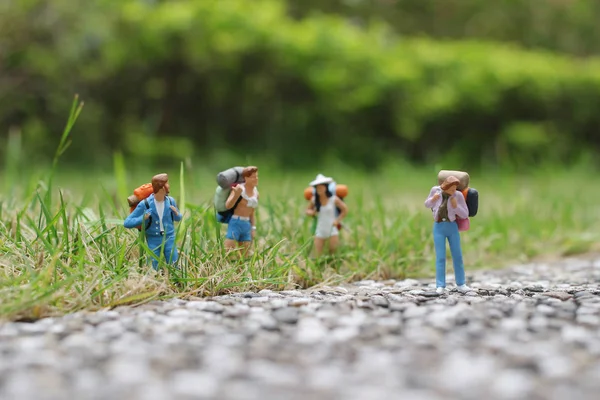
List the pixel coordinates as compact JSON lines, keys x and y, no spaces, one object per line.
{"x":250,"y":175}
{"x":160,"y":182}
{"x":450,"y":184}
{"x":322,"y":189}
{"x":321,"y":184}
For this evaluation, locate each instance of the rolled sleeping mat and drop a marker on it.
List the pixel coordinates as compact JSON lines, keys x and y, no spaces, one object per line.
{"x":220,"y":198}
{"x":462,"y":176}
{"x":140,"y":193}
{"x":230,"y":176}
{"x":133,"y":200}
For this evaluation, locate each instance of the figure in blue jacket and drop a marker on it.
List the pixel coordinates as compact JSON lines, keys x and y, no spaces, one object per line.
{"x":158,"y":212}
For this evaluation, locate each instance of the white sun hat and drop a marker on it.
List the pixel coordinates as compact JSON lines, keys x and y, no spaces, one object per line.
{"x":321,"y":180}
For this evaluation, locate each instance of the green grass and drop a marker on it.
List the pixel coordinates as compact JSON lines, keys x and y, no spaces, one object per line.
{"x":63,"y":246}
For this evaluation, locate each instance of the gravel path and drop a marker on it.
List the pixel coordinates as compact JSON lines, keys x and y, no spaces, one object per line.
{"x":528,"y":332}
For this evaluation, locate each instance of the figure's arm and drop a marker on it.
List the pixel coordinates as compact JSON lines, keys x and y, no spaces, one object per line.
{"x":310,"y":210}
{"x":433,"y":196}
{"x":233,"y":196}
{"x":461,"y":208}
{"x":176,"y":214}
{"x":343,"y":209}
{"x":136,"y":217}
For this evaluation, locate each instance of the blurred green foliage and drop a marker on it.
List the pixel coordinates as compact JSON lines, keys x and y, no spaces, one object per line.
{"x":166,"y":80}
{"x":568,"y":26}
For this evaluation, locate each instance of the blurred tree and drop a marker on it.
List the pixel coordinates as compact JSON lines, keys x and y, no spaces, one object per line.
{"x":165,"y":80}
{"x":568,"y":26}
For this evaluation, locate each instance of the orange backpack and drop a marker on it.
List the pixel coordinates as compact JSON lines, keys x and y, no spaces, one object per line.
{"x":139,"y":194}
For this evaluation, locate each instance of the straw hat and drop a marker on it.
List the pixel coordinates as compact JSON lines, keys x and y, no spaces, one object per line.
{"x":321,"y":180}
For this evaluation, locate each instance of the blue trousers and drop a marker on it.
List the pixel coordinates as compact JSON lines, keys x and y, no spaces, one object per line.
{"x":168,"y":249}
{"x":441,"y":232}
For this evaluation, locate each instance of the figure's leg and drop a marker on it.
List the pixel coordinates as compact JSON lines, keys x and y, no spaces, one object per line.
{"x":230,"y":244}
{"x":439,"y":242}
{"x":456,"y":251}
{"x":155,"y":244}
{"x":245,"y":237}
{"x":333,"y":243}
{"x":232,"y":236}
{"x":319,"y":242}
{"x":171,"y":253}
{"x":245,"y":250}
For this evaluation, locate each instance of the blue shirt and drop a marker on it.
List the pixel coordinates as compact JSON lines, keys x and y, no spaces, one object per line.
{"x":136,"y":218}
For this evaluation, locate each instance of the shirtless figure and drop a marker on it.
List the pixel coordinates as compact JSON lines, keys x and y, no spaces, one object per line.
{"x":241,"y":228}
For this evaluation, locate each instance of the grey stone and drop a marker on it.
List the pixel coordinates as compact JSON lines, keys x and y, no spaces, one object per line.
{"x":258,"y":301}
{"x":287,"y":315}
{"x":534,"y":288}
{"x":407,"y":283}
{"x":179,"y":312}
{"x":299,"y":302}
{"x":210,"y":306}
{"x":239,"y":310}
{"x":558,"y":295}
{"x":587,"y":319}
{"x":380,"y":301}
{"x":194,"y":384}
{"x":545,"y":309}
{"x":415,"y":312}
{"x":310,"y":331}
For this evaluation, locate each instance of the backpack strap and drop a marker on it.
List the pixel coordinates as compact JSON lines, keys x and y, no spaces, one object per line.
{"x":337,"y":209}
{"x":236,"y":203}
{"x":149,"y":218}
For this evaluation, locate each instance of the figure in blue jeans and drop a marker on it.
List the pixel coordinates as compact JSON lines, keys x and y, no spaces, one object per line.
{"x":159,"y":212}
{"x":242,"y":225}
{"x":446,"y":204}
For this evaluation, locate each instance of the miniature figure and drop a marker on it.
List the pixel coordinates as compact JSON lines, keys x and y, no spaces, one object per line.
{"x":240,"y":185}
{"x":330,"y":210}
{"x":447,"y":203}
{"x":158,"y":227}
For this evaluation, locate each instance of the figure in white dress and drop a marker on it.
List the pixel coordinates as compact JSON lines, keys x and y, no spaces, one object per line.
{"x":325,"y":205}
